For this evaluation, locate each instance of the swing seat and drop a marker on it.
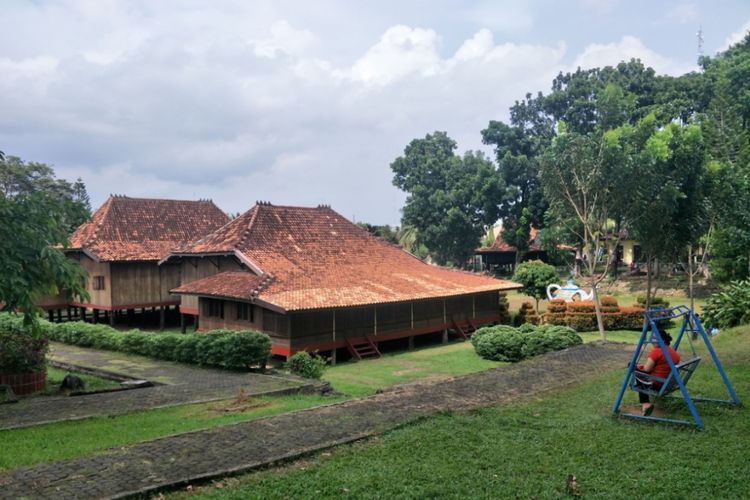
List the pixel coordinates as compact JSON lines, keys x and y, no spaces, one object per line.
{"x":667,"y":385}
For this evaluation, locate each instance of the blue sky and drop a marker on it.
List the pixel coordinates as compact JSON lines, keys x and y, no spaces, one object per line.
{"x":301,"y":103}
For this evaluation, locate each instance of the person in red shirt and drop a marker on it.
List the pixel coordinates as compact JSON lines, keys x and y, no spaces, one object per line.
{"x":657,"y":366}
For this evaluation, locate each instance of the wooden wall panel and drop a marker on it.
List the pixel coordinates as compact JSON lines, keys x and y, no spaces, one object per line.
{"x":98,"y":297}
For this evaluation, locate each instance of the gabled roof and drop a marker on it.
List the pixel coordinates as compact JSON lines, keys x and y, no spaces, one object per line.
{"x":144,"y":229}
{"x":310,"y":258}
{"x":501,"y":246}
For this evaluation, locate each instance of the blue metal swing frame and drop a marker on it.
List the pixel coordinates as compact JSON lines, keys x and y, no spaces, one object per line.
{"x":690,"y":325}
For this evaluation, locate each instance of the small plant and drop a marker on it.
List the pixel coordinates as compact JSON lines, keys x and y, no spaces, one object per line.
{"x":306,"y":365}
{"x":730,"y":307}
{"x":503,"y":308}
{"x":535,"y":276}
{"x":21,"y":350}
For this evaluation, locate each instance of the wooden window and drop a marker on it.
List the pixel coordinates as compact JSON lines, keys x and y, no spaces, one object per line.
{"x":215,"y":308}
{"x":245,"y":312}
{"x":98,"y":283}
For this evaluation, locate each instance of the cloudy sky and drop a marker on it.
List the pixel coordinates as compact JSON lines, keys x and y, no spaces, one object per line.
{"x":301,"y":102}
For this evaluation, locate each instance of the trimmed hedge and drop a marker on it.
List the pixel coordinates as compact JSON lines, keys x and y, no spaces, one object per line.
{"x":229,"y":349}
{"x":503,"y":308}
{"x":527,"y":314}
{"x":505,"y":343}
{"x":581,"y":316}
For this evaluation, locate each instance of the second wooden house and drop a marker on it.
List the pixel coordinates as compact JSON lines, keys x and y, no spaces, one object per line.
{"x":312,"y":280}
{"x":121,"y":246}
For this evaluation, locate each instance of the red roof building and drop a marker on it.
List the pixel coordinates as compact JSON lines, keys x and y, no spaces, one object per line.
{"x":122,"y":244}
{"x":313,"y":280}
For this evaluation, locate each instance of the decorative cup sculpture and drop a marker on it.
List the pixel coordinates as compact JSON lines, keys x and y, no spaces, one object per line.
{"x":569,"y":293}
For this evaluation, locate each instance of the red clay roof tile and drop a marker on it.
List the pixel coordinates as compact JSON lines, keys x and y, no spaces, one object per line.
{"x":318,"y":259}
{"x":141,"y":229}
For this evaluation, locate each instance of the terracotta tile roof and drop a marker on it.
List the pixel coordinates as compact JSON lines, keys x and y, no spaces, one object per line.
{"x":233,"y":284}
{"x":501,"y":246}
{"x":126,"y":228}
{"x":315,"y":258}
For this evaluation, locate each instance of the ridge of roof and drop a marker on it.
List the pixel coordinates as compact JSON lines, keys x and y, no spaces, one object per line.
{"x":127,"y":228}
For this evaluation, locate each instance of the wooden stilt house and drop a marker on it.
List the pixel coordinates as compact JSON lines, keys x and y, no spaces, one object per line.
{"x":312,"y":280}
{"x":121,"y":247}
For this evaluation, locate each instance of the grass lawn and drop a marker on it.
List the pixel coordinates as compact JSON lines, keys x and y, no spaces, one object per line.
{"x":528,"y":449}
{"x":93,"y":383}
{"x":45,"y":443}
{"x":365,"y":377}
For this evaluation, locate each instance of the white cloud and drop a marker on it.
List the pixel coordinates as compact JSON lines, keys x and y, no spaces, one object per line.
{"x":629,"y":47}
{"x":401,"y":51}
{"x":284,"y":39}
{"x":736,"y":37}
{"x":241,"y":101}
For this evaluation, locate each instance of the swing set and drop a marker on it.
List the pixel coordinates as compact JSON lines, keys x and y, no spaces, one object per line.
{"x":679,"y":374}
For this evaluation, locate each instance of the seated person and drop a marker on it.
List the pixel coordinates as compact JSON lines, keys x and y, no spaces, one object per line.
{"x":657,"y":366}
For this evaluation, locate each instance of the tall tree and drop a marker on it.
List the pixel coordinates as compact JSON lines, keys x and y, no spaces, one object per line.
{"x":19,"y":178}
{"x":36,"y":211}
{"x":452,"y":199}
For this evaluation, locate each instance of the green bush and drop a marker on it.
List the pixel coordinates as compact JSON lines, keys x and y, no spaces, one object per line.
{"x":21,"y":349}
{"x":505,"y":343}
{"x":547,"y":338}
{"x":234,"y":350}
{"x":655,"y":301}
{"x":729,"y":307}
{"x":306,"y":365}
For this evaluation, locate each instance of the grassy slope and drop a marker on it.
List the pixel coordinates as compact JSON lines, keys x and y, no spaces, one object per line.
{"x":364,"y":378}
{"x":83,"y":437}
{"x":58,"y":441}
{"x":528,"y":449}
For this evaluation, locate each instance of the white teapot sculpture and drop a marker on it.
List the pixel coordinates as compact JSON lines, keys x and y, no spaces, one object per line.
{"x":568,"y":293}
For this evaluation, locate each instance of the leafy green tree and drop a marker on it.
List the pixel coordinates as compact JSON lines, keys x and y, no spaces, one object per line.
{"x":35,"y":218}
{"x":386,"y":232}
{"x":451,"y":199}
{"x":20,"y":178}
{"x":31,"y":264}
{"x":535,"y":276}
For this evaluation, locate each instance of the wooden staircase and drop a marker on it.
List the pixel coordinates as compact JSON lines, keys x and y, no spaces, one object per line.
{"x":362,"y":350}
{"x":467,"y":331}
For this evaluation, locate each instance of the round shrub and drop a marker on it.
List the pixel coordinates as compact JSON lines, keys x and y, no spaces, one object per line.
{"x":608,"y":301}
{"x":306,"y":365}
{"x":548,"y":338}
{"x":21,"y":349}
{"x":501,"y":343}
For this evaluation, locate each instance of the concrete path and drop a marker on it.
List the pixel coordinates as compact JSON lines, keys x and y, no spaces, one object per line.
{"x":183,"y":384}
{"x":177,"y":460}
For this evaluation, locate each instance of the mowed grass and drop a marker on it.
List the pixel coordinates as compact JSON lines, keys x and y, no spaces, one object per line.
{"x":528,"y":450}
{"x":55,"y":377}
{"x":46,"y":443}
{"x":366,"y":377}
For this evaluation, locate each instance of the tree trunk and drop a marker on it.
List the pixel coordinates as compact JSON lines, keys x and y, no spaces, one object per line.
{"x":598,"y":310}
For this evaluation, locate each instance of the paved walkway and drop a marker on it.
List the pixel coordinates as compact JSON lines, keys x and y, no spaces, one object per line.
{"x":177,"y":460}
{"x":183,"y":384}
